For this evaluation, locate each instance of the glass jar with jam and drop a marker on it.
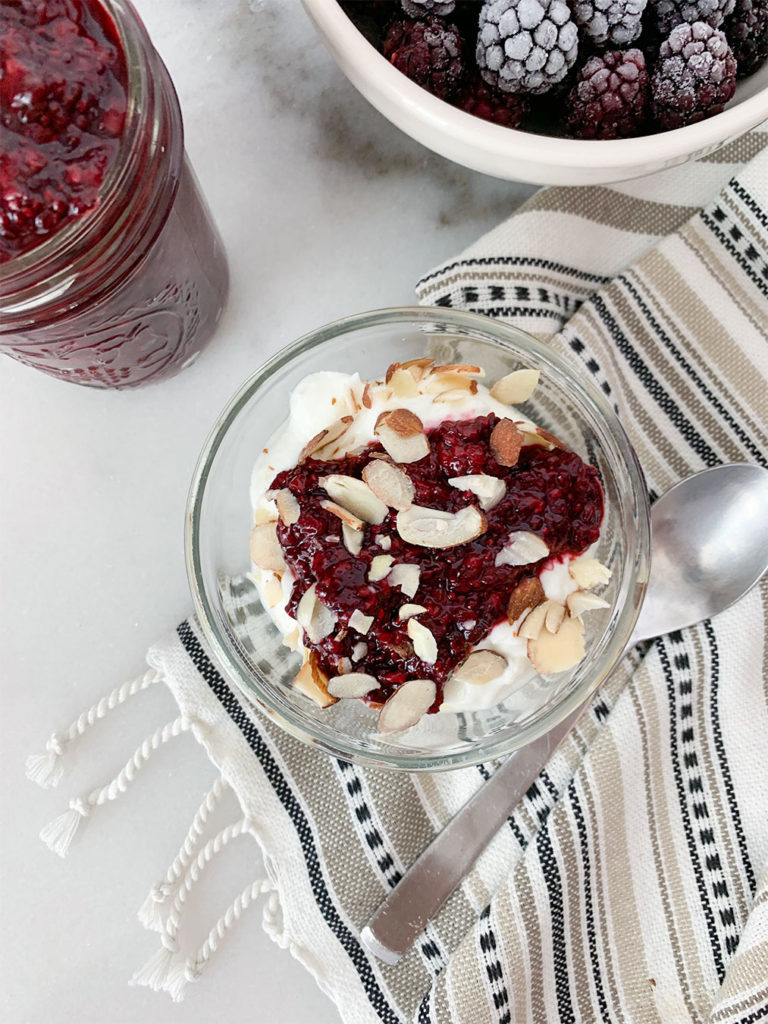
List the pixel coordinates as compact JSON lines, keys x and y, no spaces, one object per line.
{"x":111,"y":271}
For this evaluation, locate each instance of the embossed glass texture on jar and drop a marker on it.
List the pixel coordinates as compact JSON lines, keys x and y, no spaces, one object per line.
{"x":130,"y":292}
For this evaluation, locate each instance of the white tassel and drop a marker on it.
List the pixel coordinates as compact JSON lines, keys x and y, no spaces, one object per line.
{"x":182,"y":972}
{"x":59,"y":833}
{"x":46,"y":769}
{"x":150,"y":913}
{"x":157,"y":970}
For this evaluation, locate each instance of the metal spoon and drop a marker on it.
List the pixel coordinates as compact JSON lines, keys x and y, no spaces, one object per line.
{"x":709,"y":546}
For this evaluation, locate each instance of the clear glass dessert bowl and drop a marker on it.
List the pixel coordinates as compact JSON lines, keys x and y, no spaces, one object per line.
{"x":241,"y":634}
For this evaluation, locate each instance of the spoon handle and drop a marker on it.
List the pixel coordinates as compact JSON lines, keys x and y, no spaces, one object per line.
{"x":431,"y":879}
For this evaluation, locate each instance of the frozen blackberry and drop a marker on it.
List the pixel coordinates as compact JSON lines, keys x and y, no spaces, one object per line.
{"x":610,"y":97}
{"x":609,"y":21}
{"x":747,"y":32}
{"x":428,"y":52}
{"x":505,"y":108}
{"x":420,"y":8}
{"x":695,"y":75}
{"x":526,"y":45}
{"x":668,"y":13}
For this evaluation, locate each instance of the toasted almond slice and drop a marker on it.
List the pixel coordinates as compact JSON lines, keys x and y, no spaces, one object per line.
{"x":436,"y":383}
{"x":314,"y":617}
{"x":505,"y":443}
{"x":356,"y":496}
{"x":313,"y":683}
{"x":554,"y":617}
{"x":407,"y":610}
{"x":401,"y":433}
{"x":534,"y":622}
{"x":453,"y":395}
{"x":552,"y":439}
{"x":360,"y":622}
{"x":481,"y":667}
{"x":516,"y":387}
{"x":528,"y":594}
{"x":406,"y":576}
{"x":287,"y":506}
{"x":273,"y":591}
{"x":488,"y":489}
{"x":324,"y":437}
{"x":465,"y":369}
{"x":344,"y":666}
{"x":391,"y":370}
{"x":556,"y":652}
{"x":384,"y":541}
{"x":424,"y":643}
{"x":403,"y":383}
{"x":434,"y":528}
{"x":353,"y":539}
{"x":407,"y":704}
{"x":366,"y":397}
{"x":419,"y":368}
{"x":262,"y":516}
{"x":581,"y":601}
{"x":292,"y":639}
{"x":522,"y":548}
{"x":352,"y":684}
{"x":359,"y":651}
{"x":389,"y":483}
{"x":588,"y":572}
{"x":344,"y":515}
{"x":266,"y":552}
{"x":380,"y":566}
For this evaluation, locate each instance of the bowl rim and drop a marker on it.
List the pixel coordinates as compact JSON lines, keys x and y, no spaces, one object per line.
{"x":492,"y":140}
{"x":228,"y":662}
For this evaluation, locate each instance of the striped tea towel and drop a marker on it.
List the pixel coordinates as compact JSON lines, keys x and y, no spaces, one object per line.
{"x":631,"y":883}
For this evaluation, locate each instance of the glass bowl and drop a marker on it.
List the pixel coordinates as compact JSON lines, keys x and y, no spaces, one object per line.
{"x":241,"y":635}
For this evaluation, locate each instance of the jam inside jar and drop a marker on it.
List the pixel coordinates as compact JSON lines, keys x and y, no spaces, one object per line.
{"x":111,"y":271}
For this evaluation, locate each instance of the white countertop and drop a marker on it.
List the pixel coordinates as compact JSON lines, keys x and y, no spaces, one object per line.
{"x":325,"y":210}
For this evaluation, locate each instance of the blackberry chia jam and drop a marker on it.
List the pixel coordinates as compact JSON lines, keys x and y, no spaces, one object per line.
{"x":111,"y":271}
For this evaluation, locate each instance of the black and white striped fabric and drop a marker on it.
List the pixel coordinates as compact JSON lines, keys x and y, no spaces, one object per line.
{"x":631,"y":883}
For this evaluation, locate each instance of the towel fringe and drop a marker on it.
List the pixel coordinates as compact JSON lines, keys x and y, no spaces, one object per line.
{"x":46,"y":769}
{"x":59,"y":833}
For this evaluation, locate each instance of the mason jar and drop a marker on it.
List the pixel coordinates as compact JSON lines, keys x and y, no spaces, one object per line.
{"x":129,"y":291}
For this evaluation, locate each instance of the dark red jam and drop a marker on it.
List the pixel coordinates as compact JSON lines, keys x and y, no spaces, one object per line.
{"x":63,"y":85}
{"x":550,"y":493}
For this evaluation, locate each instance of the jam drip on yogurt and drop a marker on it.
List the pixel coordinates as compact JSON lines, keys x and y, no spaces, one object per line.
{"x":63,"y":100}
{"x":553,"y":494}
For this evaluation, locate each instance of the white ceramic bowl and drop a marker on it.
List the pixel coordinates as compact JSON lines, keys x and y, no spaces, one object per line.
{"x":516,"y":155}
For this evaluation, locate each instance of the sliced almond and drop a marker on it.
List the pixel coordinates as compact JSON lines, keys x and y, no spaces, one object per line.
{"x":347,"y":517}
{"x":407,"y":610}
{"x":522,"y":548}
{"x":356,"y":496}
{"x":406,"y":575}
{"x":439,"y":382}
{"x":313,"y":683}
{"x":551,"y":439}
{"x":380,"y":566}
{"x":418,"y":368}
{"x":534,"y":622}
{"x":403,"y":383}
{"x":317,"y":620}
{"x":401,"y":432}
{"x":505,"y":443}
{"x":353,"y":539}
{"x":263,"y":515}
{"x":435,"y":528}
{"x":588,"y":572}
{"x":384,"y":541}
{"x":481,"y":667}
{"x":360,"y":622}
{"x":389,"y":483}
{"x":407,"y":704}
{"x":366,"y":397}
{"x":554,"y":617}
{"x":453,"y":395}
{"x":488,"y":489}
{"x":287,"y":506}
{"x":424,"y":643}
{"x":292,"y":639}
{"x":581,"y":601}
{"x":527,"y":595}
{"x":465,"y":369}
{"x":359,"y":651}
{"x":266,"y":552}
{"x":391,"y":371}
{"x":556,"y":652}
{"x":273,"y":591}
{"x":352,"y":684}
{"x":516,"y":387}
{"x":324,"y":437}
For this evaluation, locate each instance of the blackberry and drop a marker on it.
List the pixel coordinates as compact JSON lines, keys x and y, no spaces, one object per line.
{"x":428,"y":52}
{"x":526,"y":45}
{"x":505,"y":108}
{"x":420,"y":8}
{"x":609,"y":21}
{"x":695,"y":75}
{"x":668,"y":13}
{"x":747,"y":32}
{"x":610,"y":97}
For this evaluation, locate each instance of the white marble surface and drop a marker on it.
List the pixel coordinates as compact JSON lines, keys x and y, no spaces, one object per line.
{"x":325,"y":210}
